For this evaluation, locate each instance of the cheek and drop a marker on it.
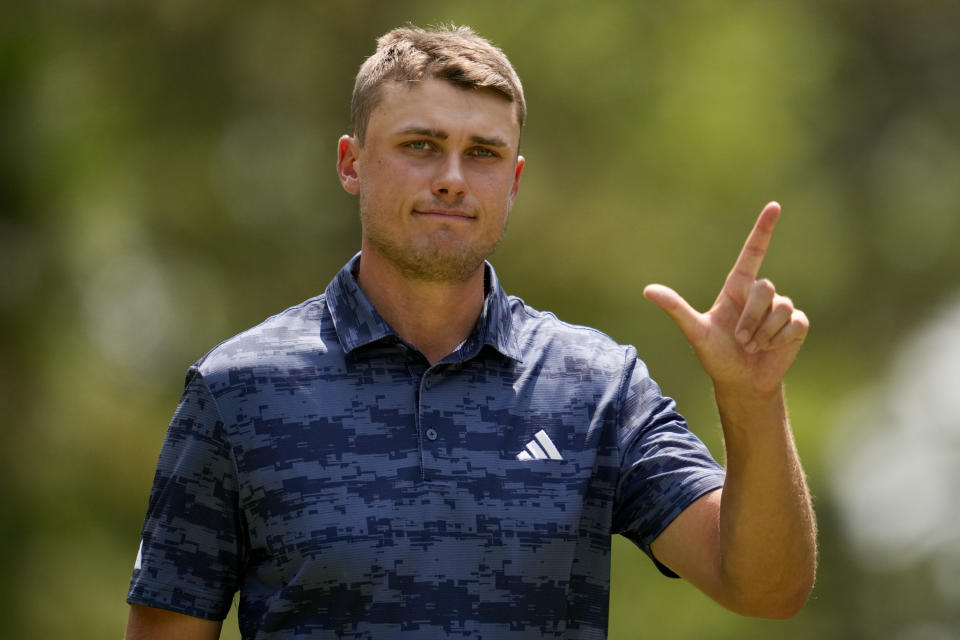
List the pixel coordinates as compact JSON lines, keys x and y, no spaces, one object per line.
{"x":379,"y":179}
{"x":394,"y":178}
{"x":488,"y":181}
{"x":497,"y":190}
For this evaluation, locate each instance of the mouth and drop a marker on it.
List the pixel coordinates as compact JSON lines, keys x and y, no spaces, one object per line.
{"x":448,"y":214}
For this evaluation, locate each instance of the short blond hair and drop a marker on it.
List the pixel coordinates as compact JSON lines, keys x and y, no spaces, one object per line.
{"x":451,"y":53}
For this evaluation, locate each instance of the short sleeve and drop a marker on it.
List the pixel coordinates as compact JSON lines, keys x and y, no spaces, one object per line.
{"x":664,"y":467}
{"x":191,"y":545}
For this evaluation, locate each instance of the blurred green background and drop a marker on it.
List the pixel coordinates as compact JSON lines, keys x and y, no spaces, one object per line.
{"x":167,"y":180}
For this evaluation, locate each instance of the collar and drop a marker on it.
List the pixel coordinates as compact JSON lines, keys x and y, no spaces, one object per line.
{"x":357,"y":323}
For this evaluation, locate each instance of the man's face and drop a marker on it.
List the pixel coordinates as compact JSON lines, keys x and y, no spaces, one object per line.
{"x":437,"y":175}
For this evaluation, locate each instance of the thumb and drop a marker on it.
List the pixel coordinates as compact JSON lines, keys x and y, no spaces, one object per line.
{"x":679,"y":310}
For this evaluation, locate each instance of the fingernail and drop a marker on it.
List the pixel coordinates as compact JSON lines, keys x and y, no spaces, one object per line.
{"x":743,"y":335}
{"x":751,"y":347}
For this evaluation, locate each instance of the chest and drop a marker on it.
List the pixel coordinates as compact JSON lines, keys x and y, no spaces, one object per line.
{"x":400,"y":456}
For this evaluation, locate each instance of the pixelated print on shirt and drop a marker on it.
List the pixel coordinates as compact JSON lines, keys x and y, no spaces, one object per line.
{"x":348,"y":489}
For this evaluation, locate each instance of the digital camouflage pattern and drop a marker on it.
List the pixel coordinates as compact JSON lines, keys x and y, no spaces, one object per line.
{"x":348,"y":489}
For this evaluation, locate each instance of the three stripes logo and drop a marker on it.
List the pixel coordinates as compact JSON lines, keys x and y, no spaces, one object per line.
{"x":540,"y":448}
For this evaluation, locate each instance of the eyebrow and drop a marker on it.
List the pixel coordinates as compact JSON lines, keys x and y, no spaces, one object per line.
{"x":443,"y":135}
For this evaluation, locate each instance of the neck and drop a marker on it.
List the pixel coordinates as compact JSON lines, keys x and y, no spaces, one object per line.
{"x":435,"y":317}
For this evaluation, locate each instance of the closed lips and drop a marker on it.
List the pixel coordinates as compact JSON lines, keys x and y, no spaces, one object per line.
{"x":450,"y":213}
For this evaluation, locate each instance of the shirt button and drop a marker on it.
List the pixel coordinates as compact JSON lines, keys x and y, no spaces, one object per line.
{"x":427,"y":384}
{"x":431,"y":434}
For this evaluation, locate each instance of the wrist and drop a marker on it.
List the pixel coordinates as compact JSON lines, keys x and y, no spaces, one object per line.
{"x":747,"y":394}
{"x":749,"y":409}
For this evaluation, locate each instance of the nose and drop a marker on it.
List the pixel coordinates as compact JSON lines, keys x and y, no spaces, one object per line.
{"x":449,"y":182}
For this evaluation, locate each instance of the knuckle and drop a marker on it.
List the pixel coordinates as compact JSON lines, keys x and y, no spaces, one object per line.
{"x":784,"y":305}
{"x":764,"y":285}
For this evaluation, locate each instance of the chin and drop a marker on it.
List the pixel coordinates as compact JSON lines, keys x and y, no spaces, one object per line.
{"x":442,"y":264}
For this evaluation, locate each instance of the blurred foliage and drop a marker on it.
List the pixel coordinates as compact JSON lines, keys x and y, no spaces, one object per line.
{"x":167,"y":180}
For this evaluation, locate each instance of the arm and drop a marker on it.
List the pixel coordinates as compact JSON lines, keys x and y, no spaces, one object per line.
{"x":148,"y":623}
{"x":752,"y":545}
{"x":192,"y":543}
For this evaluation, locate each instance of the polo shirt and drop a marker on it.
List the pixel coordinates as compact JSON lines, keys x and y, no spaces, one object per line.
{"x":320,"y":466}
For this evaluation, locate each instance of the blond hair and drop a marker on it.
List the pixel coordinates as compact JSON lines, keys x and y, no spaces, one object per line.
{"x":451,"y":53}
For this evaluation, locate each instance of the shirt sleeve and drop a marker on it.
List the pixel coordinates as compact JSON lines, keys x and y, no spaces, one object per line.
{"x":664,"y":467}
{"x":192,"y":543}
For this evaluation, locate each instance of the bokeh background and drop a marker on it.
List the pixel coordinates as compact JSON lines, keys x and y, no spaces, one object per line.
{"x":167,"y":180}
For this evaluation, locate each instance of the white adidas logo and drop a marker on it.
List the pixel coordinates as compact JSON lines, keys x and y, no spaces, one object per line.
{"x":542,"y":451}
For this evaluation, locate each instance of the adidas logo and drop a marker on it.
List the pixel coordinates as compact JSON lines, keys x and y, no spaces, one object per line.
{"x":540,"y":448}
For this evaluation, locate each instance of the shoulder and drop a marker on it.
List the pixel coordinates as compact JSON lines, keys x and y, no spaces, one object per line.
{"x":577,"y":345}
{"x":279,"y":340}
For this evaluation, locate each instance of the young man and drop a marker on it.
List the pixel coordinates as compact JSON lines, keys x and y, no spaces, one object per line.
{"x":416,"y":454}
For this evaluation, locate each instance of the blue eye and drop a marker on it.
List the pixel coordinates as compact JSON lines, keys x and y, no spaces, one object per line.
{"x":419,"y":145}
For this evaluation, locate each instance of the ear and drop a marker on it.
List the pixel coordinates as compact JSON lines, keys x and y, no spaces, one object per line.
{"x":347,"y":155}
{"x":521,"y":163}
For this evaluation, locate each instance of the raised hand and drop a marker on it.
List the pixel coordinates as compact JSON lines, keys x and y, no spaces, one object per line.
{"x":751,"y":335}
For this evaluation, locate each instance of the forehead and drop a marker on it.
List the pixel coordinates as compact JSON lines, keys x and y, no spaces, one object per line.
{"x":440,"y":105}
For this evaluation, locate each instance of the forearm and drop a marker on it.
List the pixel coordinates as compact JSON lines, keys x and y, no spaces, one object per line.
{"x":767,"y":526}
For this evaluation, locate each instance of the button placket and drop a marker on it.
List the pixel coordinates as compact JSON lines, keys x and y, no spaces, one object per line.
{"x":430,"y":435}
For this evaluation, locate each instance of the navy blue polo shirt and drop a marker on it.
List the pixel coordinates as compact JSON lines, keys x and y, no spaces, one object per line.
{"x":348,"y":489}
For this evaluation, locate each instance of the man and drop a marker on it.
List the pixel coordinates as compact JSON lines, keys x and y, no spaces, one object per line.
{"x":416,"y":454}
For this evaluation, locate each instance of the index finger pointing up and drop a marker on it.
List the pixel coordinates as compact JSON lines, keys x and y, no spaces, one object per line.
{"x":747,"y":267}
